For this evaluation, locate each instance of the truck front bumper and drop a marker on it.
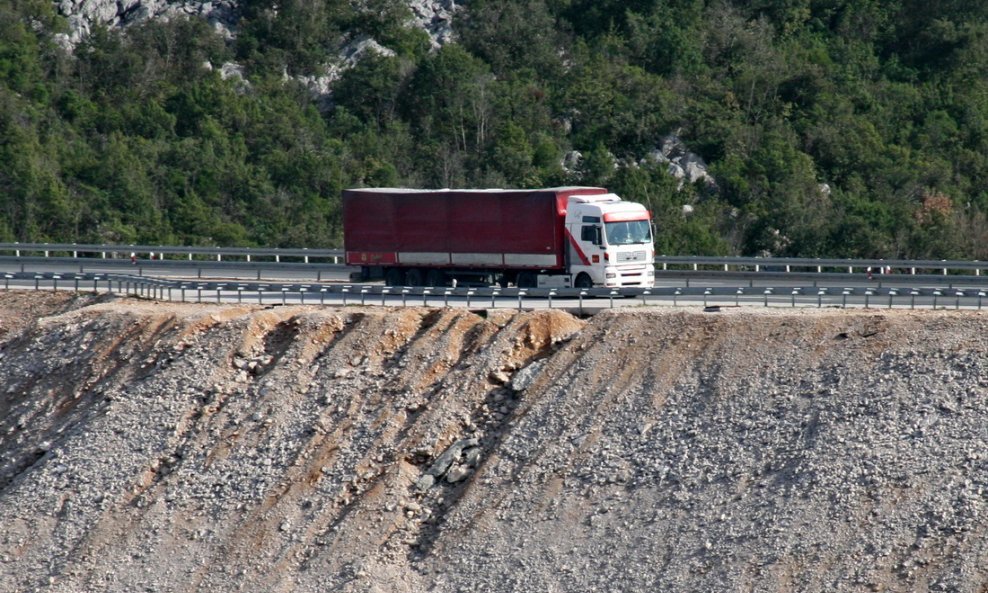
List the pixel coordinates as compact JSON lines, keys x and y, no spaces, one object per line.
{"x":621,"y":277}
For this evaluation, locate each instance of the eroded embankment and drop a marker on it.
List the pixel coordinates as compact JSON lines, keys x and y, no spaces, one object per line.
{"x":184,"y":448}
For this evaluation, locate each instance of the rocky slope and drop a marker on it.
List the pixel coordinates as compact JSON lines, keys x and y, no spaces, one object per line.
{"x":160,"y":447}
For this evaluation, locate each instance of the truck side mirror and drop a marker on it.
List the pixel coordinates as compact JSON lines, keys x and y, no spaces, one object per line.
{"x":597,"y":236}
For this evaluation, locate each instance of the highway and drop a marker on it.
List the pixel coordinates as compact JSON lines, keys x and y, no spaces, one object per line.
{"x":311,"y":276}
{"x":703,"y":289}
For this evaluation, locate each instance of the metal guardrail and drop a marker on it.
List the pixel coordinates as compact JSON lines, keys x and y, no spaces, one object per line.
{"x":145,"y":252}
{"x":335,"y":256}
{"x":482,"y":298}
{"x":818,"y":265}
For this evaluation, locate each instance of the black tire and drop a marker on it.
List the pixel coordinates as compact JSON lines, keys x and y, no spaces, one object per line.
{"x":527,"y":280}
{"x":414,"y":277}
{"x":583,"y":280}
{"x":394,"y":277}
{"x":435,"y":277}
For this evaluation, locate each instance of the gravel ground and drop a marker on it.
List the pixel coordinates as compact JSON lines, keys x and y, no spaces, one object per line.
{"x":165,"y":447}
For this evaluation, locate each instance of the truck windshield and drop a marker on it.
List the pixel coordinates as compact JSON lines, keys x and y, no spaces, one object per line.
{"x":628,"y":233}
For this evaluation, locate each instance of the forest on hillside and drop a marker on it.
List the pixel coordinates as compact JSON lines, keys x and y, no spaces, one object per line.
{"x":840,"y":128}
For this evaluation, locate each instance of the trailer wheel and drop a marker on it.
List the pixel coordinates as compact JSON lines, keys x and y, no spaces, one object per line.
{"x":527,"y":280}
{"x":584,"y":281}
{"x":394,"y":277}
{"x":435,"y":278}
{"x":414,"y":277}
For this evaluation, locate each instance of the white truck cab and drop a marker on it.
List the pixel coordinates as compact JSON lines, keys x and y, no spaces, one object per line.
{"x":610,"y":242}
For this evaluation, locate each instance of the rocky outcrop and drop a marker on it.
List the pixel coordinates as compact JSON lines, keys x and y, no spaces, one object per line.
{"x":686,"y":166}
{"x":83,"y":14}
{"x":680,"y":163}
{"x":433,"y":16}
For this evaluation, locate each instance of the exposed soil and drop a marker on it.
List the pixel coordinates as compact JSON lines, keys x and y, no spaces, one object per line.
{"x":168,"y":447}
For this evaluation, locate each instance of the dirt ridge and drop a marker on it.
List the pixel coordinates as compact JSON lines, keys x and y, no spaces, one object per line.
{"x":165,"y":447}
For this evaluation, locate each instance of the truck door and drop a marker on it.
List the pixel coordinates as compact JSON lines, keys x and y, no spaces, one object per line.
{"x":586,"y":249}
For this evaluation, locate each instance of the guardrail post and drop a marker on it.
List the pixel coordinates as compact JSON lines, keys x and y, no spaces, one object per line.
{"x":404,"y":296}
{"x":363,"y":295}
{"x":912,"y":298}
{"x":217,"y":295}
{"x":183,"y":294}
{"x":384,"y":294}
{"x":936,"y":293}
{"x":521,"y":293}
{"x":54,"y":283}
{"x":613,"y":292}
{"x":470,"y":294}
{"x":645,"y":293}
{"x":981,"y":295}
{"x":494,"y":293}
{"x":552,"y":293}
{"x":76,"y":284}
{"x":892,"y":293}
{"x":675,"y":297}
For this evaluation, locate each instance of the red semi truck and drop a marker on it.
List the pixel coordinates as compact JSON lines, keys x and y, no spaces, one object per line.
{"x":559,"y":237}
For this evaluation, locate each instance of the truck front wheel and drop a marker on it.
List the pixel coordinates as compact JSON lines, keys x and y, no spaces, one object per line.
{"x":584,"y":281}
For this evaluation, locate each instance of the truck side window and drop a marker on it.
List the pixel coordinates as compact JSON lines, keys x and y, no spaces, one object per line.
{"x":590,"y":233}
